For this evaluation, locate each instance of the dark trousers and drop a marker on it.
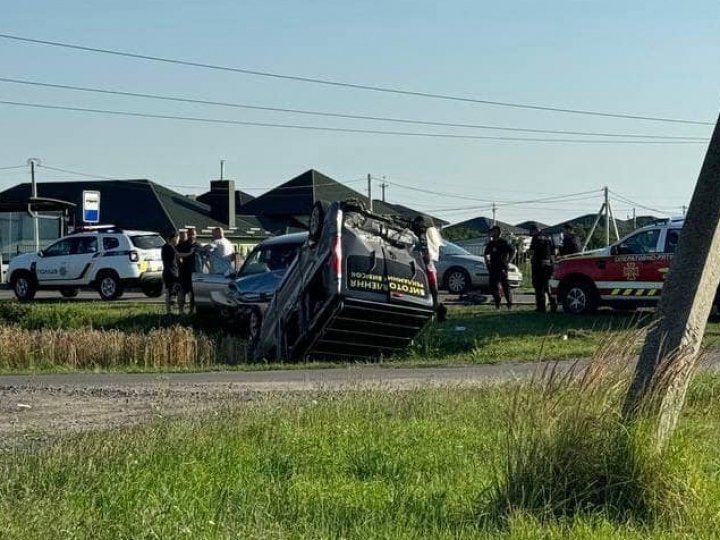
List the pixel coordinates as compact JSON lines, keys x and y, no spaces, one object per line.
{"x":498,"y":279}
{"x":541,"y":275}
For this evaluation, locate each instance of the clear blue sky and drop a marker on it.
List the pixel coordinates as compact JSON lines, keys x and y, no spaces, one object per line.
{"x":656,"y":58}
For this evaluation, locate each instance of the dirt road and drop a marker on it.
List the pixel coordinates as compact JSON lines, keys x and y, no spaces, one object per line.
{"x":77,"y":402}
{"x":86,"y":401}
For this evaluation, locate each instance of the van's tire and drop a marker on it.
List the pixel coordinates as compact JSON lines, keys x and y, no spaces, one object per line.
{"x":23,"y":285}
{"x":579,"y":297}
{"x":457,"y":281}
{"x":69,"y":292}
{"x":108,"y":285}
{"x":317,"y":220}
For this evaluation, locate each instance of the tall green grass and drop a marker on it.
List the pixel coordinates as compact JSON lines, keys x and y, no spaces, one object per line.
{"x":570,"y":452}
{"x":365,"y":464}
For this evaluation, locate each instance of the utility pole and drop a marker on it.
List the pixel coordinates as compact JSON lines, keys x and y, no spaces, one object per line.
{"x":605,"y":210}
{"x":383,"y":186}
{"x":369,"y":180}
{"x":669,"y":355}
{"x":36,"y":226}
{"x":607,"y":216}
{"x":494,"y":213}
{"x":634,"y":220}
{"x":222,"y":169}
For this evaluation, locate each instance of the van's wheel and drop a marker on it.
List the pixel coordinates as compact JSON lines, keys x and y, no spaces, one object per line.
{"x":70,"y":292}
{"x":457,"y":281}
{"x":579,"y":298}
{"x":317,"y":218}
{"x":109,"y":286}
{"x":23,"y":286}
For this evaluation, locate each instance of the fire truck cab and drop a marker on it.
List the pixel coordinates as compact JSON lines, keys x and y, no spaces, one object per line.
{"x":628,"y":274}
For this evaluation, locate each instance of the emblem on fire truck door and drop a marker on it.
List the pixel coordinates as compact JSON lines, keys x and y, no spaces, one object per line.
{"x":631,"y":271}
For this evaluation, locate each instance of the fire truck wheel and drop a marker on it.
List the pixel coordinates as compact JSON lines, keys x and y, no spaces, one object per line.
{"x":579,"y":298}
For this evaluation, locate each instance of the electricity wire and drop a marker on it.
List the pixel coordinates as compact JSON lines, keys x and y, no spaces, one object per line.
{"x":356,"y":86}
{"x":326,"y":114}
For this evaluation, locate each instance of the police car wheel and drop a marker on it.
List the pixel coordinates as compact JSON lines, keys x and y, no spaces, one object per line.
{"x":109,"y":287}
{"x":458,"y":281}
{"x":153,"y":291}
{"x":69,"y":293}
{"x":579,"y":298}
{"x":24,"y":287}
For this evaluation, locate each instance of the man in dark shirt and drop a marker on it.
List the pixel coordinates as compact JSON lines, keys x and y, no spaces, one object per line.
{"x":570,"y":243}
{"x":171,"y":269}
{"x":189,"y":259}
{"x":542,"y":259}
{"x":498,"y":254}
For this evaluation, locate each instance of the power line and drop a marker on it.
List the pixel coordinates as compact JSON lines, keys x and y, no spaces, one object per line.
{"x":326,"y":114}
{"x":626,"y":200}
{"x":337,"y":129}
{"x":12,"y":167}
{"x":329,"y":82}
{"x":491,"y":201}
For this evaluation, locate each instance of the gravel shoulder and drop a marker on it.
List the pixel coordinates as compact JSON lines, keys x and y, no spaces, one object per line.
{"x":66,"y":403}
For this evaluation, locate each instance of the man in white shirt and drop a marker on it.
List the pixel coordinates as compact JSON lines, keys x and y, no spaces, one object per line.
{"x":221,"y":252}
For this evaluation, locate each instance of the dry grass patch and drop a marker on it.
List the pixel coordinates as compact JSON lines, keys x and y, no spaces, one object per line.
{"x":174,"y":347}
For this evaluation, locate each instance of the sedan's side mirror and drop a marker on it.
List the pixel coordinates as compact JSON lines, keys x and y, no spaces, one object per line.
{"x":41,"y":253}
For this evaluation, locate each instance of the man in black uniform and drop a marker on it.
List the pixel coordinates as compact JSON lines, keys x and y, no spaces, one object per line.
{"x":570,"y":243}
{"x":542,"y":252}
{"x":171,"y":270}
{"x":189,"y":257}
{"x":498,"y":254}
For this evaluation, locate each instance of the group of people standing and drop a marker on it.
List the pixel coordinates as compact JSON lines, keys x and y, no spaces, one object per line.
{"x":499,"y":253}
{"x":182,"y":255}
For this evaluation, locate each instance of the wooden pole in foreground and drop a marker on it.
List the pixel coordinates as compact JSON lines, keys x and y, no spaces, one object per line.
{"x":671,"y":348}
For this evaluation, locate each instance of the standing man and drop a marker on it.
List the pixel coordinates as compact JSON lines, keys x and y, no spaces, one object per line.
{"x":221,"y":253}
{"x":171,"y":270}
{"x":189,"y":260}
{"x":430,"y":241}
{"x":498,"y":254}
{"x":570,"y":243}
{"x":542,"y":251}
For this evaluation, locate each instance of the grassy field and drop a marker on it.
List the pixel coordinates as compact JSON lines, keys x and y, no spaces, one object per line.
{"x":40,"y":337}
{"x":422,"y":464}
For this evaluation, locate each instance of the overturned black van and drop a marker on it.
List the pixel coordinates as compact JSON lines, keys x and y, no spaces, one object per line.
{"x":359,"y":288}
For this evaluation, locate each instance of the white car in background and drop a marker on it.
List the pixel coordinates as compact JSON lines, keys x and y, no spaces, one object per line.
{"x":460,"y":271}
{"x":104,"y":258}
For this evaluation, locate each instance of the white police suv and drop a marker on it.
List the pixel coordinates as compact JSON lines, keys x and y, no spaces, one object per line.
{"x":104,"y":258}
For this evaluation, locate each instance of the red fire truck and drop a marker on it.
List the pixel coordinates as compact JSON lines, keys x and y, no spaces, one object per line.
{"x":625,"y":275}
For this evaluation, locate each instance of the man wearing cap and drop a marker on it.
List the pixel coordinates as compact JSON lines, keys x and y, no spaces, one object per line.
{"x":542,"y":260}
{"x":171,"y":269}
{"x":498,"y":254}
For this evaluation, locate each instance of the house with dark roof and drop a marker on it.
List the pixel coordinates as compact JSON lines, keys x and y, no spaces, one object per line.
{"x":480,"y":227}
{"x":287,"y":207}
{"x":146,"y":205}
{"x":139,"y":204}
{"x":527,"y":225}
